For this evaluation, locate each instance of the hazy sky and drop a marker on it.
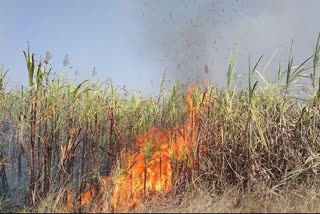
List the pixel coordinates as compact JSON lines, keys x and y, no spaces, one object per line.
{"x":135,"y":41}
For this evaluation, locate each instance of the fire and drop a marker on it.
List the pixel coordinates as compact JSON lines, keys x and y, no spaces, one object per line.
{"x":149,"y":171}
{"x":87,"y":196}
{"x":149,"y":168}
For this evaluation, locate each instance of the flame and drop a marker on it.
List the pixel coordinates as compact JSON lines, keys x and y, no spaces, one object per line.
{"x":87,"y":196}
{"x":148,"y":170}
{"x":69,"y":201}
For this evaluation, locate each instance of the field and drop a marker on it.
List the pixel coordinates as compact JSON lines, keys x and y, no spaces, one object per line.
{"x":96,"y":147}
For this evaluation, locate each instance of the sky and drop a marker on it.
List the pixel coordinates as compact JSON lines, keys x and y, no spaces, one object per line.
{"x":134,"y":42}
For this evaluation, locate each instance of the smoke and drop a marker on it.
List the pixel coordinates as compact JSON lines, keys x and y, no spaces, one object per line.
{"x":183,"y":34}
{"x":192,"y":40}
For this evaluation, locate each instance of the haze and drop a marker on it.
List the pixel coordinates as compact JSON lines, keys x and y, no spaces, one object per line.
{"x":134,"y":42}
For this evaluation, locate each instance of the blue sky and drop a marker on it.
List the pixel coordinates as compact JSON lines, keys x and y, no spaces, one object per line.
{"x":135,"y":41}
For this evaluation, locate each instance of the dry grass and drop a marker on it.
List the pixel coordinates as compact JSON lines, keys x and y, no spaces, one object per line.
{"x":297,"y":200}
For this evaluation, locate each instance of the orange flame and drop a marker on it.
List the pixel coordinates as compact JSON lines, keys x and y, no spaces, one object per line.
{"x":69,"y":207}
{"x":148,"y":170}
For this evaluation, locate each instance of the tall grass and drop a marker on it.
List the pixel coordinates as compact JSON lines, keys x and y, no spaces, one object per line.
{"x":61,"y":135}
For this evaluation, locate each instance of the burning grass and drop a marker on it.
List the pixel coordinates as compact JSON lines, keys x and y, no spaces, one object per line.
{"x":148,"y":166}
{"x":149,"y":170}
